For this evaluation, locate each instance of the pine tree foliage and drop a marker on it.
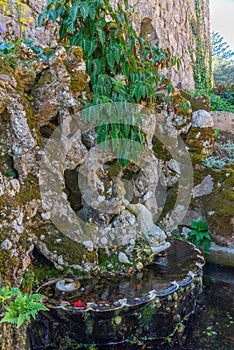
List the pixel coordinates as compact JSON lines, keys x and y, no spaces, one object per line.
{"x":221,"y":48}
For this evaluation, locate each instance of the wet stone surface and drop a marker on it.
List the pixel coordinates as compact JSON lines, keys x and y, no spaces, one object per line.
{"x":115,"y":309}
{"x":176,"y":267}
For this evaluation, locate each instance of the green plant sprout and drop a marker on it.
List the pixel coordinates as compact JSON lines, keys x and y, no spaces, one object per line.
{"x":200,"y":235}
{"x":29,"y":280}
{"x":19,"y":307}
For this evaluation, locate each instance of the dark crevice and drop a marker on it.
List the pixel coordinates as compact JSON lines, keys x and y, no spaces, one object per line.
{"x":38,"y":77}
{"x":47,"y":130}
{"x":39,"y":259}
{"x":72,"y":189}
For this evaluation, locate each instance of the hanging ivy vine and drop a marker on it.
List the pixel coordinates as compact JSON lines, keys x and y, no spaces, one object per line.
{"x":200,"y":49}
{"x":123,"y":67}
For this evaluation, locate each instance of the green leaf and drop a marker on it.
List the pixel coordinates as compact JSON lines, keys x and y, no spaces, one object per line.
{"x":72,"y":18}
{"x":135,"y":152}
{"x":83,"y":41}
{"x":84,"y":9}
{"x":9,"y":318}
{"x":141,"y":136}
{"x":117,"y":54}
{"x":101,"y":35}
{"x":126,"y":69}
{"x":92,"y":11}
{"x":93,"y":46}
{"x":40,"y":18}
{"x":73,"y":12}
{"x":110,"y":57}
{"x":98,"y":66}
{"x":178,"y":63}
{"x":207,"y":235}
{"x":170,"y":89}
{"x":21,"y":319}
{"x":125,"y":129}
{"x":137,"y":91}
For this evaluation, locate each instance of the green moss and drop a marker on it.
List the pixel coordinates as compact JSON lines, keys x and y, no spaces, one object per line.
{"x":31,"y":120}
{"x":109,"y":262}
{"x":160,"y":150}
{"x":48,"y":50}
{"x":79,"y":83}
{"x":73,"y":252}
{"x":43,"y":273}
{"x":5,"y":68}
{"x":230,"y":195}
{"x":8,"y":266}
{"x":198,"y":137}
{"x":78,"y":52}
{"x":46,"y":78}
{"x":170,"y":202}
{"x":221,"y":202}
{"x":199,"y":175}
{"x":197,"y":102}
{"x":29,"y":189}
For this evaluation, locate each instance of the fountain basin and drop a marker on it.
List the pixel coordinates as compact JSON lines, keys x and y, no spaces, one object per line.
{"x":113,"y":309}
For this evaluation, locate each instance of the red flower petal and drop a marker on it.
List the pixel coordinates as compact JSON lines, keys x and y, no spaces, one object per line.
{"x":78,"y":303}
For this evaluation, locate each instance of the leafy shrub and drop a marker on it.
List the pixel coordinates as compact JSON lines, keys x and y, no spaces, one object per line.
{"x":123,"y":66}
{"x":19,"y":307}
{"x":220,"y":48}
{"x":221,"y":99}
{"x":226,"y":92}
{"x":200,"y":235}
{"x":218,"y":103}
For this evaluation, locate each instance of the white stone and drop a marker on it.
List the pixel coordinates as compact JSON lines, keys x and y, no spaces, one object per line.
{"x":122,"y":257}
{"x":104,"y":241}
{"x":60,"y":260}
{"x":131,"y":220}
{"x":148,"y":195}
{"x":6,"y":244}
{"x":101,"y":199}
{"x":139,"y":266}
{"x":77,"y":267}
{"x":174,"y":166}
{"x":15,"y":184}
{"x":202,"y":119}
{"x":88,"y":245}
{"x":204,"y":188}
{"x":46,"y":216}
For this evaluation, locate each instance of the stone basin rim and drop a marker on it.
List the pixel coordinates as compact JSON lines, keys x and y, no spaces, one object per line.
{"x":124,"y":302}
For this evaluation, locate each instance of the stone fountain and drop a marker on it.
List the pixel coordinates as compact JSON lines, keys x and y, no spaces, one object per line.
{"x":140,"y":283}
{"x":92,"y":219}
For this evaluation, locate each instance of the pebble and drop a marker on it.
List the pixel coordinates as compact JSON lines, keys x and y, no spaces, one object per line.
{"x":122,"y":257}
{"x":6,"y":244}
